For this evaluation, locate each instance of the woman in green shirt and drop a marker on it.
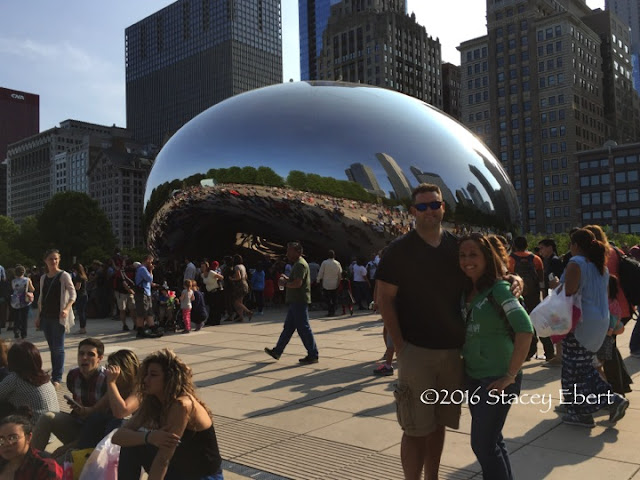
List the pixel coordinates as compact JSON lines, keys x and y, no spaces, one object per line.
{"x":493,"y":354}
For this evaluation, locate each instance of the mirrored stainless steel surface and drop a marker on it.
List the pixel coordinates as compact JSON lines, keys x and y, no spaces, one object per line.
{"x":324,"y":157}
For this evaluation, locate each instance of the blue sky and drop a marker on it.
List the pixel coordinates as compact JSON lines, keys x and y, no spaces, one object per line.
{"x":72,"y":53}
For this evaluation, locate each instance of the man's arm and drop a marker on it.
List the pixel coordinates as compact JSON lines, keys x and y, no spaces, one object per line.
{"x":386,"y":296}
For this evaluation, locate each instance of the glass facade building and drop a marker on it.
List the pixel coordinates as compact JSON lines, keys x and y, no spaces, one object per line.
{"x":314,"y":17}
{"x":191,"y":55}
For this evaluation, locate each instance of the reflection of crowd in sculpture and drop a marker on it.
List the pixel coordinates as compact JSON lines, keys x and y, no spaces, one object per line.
{"x":276,"y":202}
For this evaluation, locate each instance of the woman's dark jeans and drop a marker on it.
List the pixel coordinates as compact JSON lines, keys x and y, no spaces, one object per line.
{"x":54,"y":333}
{"x":132,"y":459}
{"x":488,"y":414}
{"x":81,"y":309}
{"x":97,"y":426}
{"x":19,"y":318}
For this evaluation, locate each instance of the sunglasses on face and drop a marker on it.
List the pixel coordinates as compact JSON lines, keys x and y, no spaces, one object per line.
{"x":421,"y":207}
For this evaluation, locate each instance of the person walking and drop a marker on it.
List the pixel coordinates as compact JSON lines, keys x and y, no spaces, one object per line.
{"x":330,"y":274}
{"x":587,"y":275}
{"x":20,"y":300}
{"x":298,"y":297}
{"x":80,"y":282}
{"x":55,"y":314}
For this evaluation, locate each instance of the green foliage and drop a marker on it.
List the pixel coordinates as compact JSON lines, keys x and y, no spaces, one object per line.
{"x":10,"y":257}
{"x":8,"y":229}
{"x":29,"y":241}
{"x":311,"y":182}
{"x":72,"y":222}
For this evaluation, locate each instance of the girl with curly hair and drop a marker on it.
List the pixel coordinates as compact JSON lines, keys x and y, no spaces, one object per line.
{"x":171,"y":435}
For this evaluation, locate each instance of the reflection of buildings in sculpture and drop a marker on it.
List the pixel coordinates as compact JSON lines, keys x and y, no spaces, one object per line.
{"x":363,"y":175}
{"x":399,"y":182}
{"x":476,"y":198}
{"x":463,"y":197}
{"x":500,"y":204}
{"x":434,"y":178}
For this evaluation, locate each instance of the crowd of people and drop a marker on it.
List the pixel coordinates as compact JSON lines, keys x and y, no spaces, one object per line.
{"x":148,"y":408}
{"x":455,"y":311}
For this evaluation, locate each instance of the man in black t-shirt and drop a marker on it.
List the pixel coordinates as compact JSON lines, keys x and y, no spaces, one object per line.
{"x":418,"y":289}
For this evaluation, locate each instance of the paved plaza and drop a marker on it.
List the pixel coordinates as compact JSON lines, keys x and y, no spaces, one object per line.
{"x":335,"y":420}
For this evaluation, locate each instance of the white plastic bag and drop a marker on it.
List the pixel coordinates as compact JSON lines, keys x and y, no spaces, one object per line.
{"x":553,"y":316}
{"x":102,"y":464}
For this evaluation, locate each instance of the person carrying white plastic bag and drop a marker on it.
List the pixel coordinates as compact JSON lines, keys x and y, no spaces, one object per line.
{"x":553,"y":316}
{"x":103,"y":461}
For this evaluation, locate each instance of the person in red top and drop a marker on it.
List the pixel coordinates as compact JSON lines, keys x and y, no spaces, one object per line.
{"x":21,"y":461}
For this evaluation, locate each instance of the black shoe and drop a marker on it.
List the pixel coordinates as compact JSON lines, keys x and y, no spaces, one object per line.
{"x":618,"y":408}
{"x":147,"y":333}
{"x":125,"y":328}
{"x":308,"y":360}
{"x":271,"y":353}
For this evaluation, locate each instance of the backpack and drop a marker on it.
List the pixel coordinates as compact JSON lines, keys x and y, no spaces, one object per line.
{"x":525,"y":268}
{"x":629,"y":273}
{"x":20,"y":297}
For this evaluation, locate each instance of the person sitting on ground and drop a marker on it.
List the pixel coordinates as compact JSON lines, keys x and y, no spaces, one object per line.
{"x":172,"y":434}
{"x":120,"y":401}
{"x":21,"y":461}
{"x":87,"y":384}
{"x":27,"y":384}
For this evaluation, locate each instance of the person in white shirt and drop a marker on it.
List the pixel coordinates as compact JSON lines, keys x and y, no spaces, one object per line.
{"x":361,"y":285}
{"x":330,"y":274}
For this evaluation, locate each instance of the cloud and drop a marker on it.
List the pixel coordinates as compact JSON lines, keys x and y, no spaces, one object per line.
{"x":64,"y":55}
{"x":72,"y":81}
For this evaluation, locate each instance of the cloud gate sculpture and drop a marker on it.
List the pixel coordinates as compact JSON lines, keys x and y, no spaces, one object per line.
{"x":331,"y":164}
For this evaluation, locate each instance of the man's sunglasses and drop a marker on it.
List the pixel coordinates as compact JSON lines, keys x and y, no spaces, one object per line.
{"x":421,"y":207}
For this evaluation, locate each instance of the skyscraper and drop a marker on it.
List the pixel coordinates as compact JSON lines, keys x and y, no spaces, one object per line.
{"x":629,"y":12}
{"x":377,"y":43}
{"x":191,"y":55}
{"x":19,"y":118}
{"x":313,"y":18}
{"x":620,"y":99}
{"x":540,"y":83}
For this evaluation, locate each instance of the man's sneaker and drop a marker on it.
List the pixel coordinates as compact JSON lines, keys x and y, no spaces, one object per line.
{"x":308,"y":360}
{"x":635,"y":354}
{"x":618,"y":408}
{"x":125,"y":328}
{"x":579,"y":420}
{"x":271,"y":353}
{"x":383,"y":370}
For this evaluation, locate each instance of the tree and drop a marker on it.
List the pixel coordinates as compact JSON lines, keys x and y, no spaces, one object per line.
{"x":29,"y":240}
{"x":8,"y":229}
{"x":72,"y":222}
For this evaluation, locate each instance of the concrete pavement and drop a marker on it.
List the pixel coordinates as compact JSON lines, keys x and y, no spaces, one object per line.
{"x":335,"y":420}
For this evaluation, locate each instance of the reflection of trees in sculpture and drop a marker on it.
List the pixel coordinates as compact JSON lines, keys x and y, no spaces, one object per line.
{"x":311,"y":182}
{"x":246,"y":175}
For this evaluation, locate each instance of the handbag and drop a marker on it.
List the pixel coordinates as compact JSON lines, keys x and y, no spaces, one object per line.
{"x":555,"y":316}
